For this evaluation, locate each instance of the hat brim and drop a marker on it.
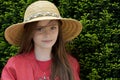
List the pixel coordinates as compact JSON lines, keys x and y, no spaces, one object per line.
{"x":71,"y":28}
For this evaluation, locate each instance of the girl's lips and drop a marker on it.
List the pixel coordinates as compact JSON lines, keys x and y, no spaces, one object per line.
{"x":46,"y":40}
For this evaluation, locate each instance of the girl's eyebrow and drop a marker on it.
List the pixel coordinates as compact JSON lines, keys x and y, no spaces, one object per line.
{"x":52,"y":24}
{"x":49,"y":24}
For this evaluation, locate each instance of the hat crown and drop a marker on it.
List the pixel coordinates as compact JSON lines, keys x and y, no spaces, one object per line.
{"x":41,"y":9}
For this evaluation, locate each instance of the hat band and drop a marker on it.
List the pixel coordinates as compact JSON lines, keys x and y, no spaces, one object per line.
{"x":42,"y":14}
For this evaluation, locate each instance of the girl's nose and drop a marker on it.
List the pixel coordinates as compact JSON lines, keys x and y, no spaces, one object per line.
{"x":47,"y":31}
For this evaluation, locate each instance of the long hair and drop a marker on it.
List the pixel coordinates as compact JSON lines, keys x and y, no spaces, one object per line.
{"x":60,"y":65}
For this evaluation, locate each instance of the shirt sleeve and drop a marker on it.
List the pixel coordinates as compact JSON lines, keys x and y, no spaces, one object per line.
{"x":8,"y":72}
{"x":76,"y":67}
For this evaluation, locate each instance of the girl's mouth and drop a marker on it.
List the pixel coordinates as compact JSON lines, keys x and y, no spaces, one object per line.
{"x":47,"y":41}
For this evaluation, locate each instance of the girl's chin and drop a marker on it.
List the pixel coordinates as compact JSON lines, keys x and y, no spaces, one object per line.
{"x":47,"y":45}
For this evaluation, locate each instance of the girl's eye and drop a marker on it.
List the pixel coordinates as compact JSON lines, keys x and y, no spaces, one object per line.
{"x":53,"y":28}
{"x":40,"y":29}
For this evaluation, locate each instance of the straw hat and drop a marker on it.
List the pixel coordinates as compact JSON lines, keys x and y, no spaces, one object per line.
{"x":43,"y":10}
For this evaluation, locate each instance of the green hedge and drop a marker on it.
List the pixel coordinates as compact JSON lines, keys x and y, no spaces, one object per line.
{"x":97,"y":48}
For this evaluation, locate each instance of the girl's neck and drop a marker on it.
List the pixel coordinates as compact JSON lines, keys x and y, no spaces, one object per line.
{"x":42,"y":54}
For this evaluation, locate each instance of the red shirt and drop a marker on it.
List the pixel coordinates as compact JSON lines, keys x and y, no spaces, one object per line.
{"x":26,"y":67}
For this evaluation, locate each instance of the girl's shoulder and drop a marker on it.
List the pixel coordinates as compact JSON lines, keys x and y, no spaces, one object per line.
{"x":20,"y":58}
{"x":74,"y":65}
{"x":73,"y":60}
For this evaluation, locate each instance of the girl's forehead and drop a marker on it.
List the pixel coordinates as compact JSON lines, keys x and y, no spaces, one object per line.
{"x":47,"y":23}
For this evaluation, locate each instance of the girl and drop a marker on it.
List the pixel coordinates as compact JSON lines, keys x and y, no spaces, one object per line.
{"x":41,"y":37}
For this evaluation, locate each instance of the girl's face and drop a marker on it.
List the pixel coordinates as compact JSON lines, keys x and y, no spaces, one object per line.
{"x":46,"y":33}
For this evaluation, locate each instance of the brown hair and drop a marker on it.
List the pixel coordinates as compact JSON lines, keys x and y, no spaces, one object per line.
{"x":60,"y":66}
